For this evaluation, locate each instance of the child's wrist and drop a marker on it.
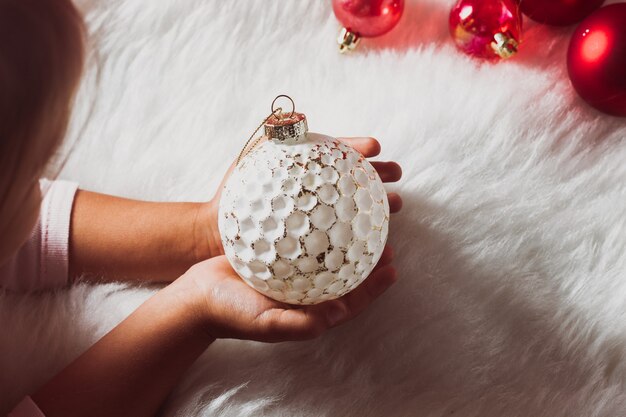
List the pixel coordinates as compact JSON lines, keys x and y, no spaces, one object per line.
{"x":188,"y":305}
{"x":208,"y":242}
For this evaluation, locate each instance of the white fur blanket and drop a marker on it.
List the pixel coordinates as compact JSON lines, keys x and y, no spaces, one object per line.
{"x":511,"y":246}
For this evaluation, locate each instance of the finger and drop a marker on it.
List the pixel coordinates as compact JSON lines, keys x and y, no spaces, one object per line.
{"x":395,"y":202}
{"x":388,"y":171}
{"x":290,"y":323}
{"x":385,"y":258}
{"x":331,"y":313}
{"x":311,"y":321}
{"x":376,"y":284}
{"x":370,"y":289}
{"x":368,"y":147}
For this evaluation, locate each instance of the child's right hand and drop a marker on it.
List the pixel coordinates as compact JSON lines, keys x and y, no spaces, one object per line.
{"x":229,"y":308}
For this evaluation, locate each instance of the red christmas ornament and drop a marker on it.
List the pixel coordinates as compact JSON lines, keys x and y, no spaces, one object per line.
{"x":486,"y":28}
{"x":558,"y":12}
{"x":365,"y":18}
{"x":596,"y":59}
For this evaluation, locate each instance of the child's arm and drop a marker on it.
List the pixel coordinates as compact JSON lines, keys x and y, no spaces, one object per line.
{"x":116,"y":238}
{"x":123,"y":239}
{"x":132,"y":369}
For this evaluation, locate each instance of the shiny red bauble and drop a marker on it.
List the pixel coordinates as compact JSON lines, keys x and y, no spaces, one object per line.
{"x":558,"y":12}
{"x":368,"y":18}
{"x":596,"y":59}
{"x":486,"y":28}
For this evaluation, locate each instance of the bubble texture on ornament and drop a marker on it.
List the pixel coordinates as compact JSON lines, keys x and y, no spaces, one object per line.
{"x":304,"y":222}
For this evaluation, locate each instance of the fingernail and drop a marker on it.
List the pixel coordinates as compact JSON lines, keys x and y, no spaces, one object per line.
{"x":335,"y":314}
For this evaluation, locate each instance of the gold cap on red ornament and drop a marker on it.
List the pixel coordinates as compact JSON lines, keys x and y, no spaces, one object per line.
{"x":347,"y":40}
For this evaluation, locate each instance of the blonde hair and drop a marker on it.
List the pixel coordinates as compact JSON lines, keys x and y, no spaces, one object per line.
{"x":41,"y":60}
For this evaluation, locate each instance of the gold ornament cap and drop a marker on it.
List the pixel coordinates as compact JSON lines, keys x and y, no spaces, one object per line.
{"x":281,"y":126}
{"x":284,"y":126}
{"x":504,"y":45}
{"x":347,"y":40}
{"x":278,"y":127}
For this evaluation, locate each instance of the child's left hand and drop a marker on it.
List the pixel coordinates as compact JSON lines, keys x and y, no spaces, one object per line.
{"x":131,"y":370}
{"x":209,"y":243}
{"x":117,"y":238}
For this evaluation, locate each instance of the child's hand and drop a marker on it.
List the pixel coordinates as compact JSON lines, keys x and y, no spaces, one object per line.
{"x":131,"y":370}
{"x":231,"y":309}
{"x":209,"y":242}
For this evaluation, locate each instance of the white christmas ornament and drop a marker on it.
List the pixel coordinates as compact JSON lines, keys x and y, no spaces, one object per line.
{"x":303,"y":217}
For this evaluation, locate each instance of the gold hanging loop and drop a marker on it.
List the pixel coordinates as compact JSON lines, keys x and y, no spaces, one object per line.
{"x":293,"y":105}
{"x":244,"y":151}
{"x":278,"y":112}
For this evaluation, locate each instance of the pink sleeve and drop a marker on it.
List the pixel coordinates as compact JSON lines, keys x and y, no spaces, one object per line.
{"x":42,"y":262}
{"x":26,"y":408}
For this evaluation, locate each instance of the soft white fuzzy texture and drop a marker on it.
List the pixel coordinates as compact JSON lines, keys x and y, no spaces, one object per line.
{"x":511,"y":246}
